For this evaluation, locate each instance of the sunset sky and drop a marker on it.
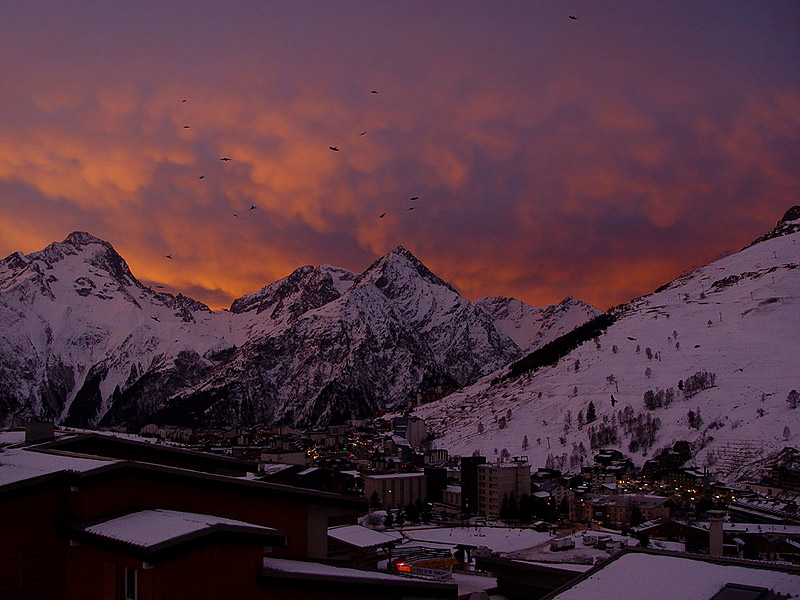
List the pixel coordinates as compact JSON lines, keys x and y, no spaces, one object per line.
{"x":597,"y":157}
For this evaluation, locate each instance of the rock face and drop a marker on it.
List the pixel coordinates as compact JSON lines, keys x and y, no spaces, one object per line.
{"x":789,"y":223}
{"x":84,"y":342}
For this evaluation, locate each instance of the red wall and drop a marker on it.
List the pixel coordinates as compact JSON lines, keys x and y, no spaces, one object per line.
{"x":32,"y":557}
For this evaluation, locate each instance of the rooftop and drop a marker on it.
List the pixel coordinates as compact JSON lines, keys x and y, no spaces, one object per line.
{"x":636,"y":574}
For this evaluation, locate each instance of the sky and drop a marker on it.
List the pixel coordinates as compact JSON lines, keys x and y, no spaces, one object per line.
{"x":596,"y":157}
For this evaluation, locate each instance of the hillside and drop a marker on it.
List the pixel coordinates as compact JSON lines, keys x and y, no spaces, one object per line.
{"x":737,"y":318}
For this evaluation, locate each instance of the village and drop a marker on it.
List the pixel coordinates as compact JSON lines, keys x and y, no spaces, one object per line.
{"x":373,"y":499}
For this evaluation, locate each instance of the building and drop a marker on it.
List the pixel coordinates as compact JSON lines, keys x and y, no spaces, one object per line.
{"x":499,"y":480}
{"x":621,"y":510}
{"x":411,"y":428}
{"x":469,"y":483}
{"x":396,"y":490}
{"x":451,"y":497}
{"x":97,"y":517}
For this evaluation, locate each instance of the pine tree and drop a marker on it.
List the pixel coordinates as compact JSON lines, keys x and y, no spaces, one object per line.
{"x":591,"y":413}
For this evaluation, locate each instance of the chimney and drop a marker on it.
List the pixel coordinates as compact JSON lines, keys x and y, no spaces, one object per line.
{"x":39,"y":431}
{"x":715,"y":519}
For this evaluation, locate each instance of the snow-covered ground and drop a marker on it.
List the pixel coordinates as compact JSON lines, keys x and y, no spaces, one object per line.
{"x":738,"y":318}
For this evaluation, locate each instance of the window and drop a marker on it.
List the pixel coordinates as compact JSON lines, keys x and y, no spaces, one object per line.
{"x":131,"y":584}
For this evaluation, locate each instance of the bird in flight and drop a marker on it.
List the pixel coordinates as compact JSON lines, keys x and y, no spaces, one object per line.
{"x":169,"y":256}
{"x":573,"y":17}
{"x":412,"y":207}
{"x":225,"y":158}
{"x":613,"y":400}
{"x":415,"y":197}
{"x":363,"y":133}
{"x":184,"y":100}
{"x":159,"y":286}
{"x":201,"y":176}
{"x":334,"y":148}
{"x":155,"y":319}
{"x":253,"y":207}
{"x":381,"y":215}
{"x":373,"y":91}
{"x":186,"y":127}
{"x":235,"y":215}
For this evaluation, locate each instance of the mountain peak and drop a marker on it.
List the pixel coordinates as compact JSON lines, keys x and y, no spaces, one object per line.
{"x":79,"y":239}
{"x":389,"y":269}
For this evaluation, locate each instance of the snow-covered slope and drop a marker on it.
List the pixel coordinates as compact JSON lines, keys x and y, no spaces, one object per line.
{"x":85,"y":342}
{"x":737,"y":318}
{"x":531,"y":327}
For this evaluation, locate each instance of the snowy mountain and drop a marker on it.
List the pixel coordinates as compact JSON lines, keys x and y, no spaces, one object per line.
{"x":531,"y":327}
{"x":720,"y":342}
{"x":85,"y":342}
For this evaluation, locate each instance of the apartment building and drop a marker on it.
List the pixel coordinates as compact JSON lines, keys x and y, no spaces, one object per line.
{"x":499,"y":480}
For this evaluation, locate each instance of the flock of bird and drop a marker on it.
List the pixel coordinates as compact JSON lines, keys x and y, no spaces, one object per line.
{"x":336,"y":149}
{"x":332,"y":148}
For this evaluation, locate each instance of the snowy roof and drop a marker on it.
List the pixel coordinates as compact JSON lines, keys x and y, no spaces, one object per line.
{"x":755,"y":528}
{"x":273,"y":468}
{"x":498,"y":539}
{"x":362,"y":537}
{"x":636,"y":574}
{"x":19,"y":464}
{"x":11,"y":437}
{"x":312,"y":568}
{"x":341,"y":578}
{"x":557,"y":565}
{"x":394,"y":475}
{"x":148,"y":528}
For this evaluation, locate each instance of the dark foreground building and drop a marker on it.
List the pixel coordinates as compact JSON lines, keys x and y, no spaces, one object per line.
{"x":90,"y":517}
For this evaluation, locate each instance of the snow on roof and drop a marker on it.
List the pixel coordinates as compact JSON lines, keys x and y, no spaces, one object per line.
{"x":362,"y":537}
{"x":557,"y":565}
{"x":11,"y":437}
{"x":498,"y":539}
{"x":147,"y":528}
{"x":19,"y":464}
{"x":273,"y":468}
{"x":636,"y":575}
{"x":312,"y":568}
{"x":394,"y":475}
{"x":755,"y":528}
